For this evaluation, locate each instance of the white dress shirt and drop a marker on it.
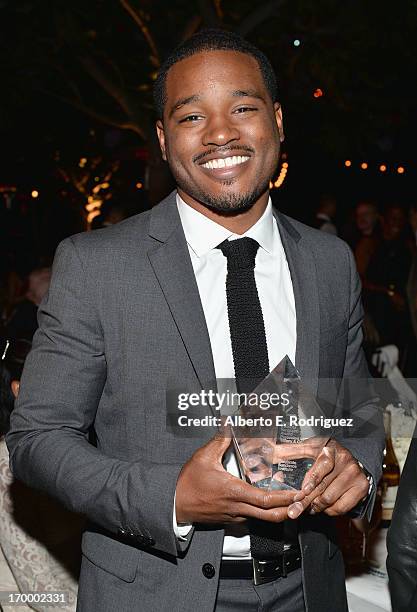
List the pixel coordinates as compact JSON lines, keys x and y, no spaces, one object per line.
{"x":273,"y":281}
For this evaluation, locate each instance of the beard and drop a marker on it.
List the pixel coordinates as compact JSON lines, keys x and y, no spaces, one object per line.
{"x":227,"y":203}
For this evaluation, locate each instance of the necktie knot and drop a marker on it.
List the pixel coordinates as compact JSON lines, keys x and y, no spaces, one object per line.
{"x":240,"y":253}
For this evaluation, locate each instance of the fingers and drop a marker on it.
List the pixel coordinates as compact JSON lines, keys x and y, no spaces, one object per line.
{"x":273,"y":515}
{"x":261,"y":498}
{"x":350,"y":481}
{"x":348,"y":501}
{"x":302,"y":501}
{"x":335,"y":494}
{"x":323,"y":465}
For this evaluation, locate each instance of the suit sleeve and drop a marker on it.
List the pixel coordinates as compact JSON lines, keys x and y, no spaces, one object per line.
{"x":366,"y":440}
{"x":61,"y":386}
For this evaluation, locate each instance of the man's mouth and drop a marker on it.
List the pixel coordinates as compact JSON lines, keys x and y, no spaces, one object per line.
{"x":225,"y":162}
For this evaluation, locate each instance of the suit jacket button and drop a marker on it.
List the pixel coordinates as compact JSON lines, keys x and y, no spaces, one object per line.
{"x":121,"y":531}
{"x":208,"y":570}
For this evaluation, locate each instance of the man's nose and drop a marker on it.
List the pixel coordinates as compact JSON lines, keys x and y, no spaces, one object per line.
{"x":220,"y":131}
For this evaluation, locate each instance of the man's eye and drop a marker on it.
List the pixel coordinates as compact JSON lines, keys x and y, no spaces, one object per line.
{"x":190,"y":118}
{"x":244,"y":109}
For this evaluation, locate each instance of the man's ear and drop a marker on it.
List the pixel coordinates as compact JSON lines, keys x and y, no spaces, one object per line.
{"x":161,"y":137}
{"x":278,"y":119}
{"x":15,"y":385}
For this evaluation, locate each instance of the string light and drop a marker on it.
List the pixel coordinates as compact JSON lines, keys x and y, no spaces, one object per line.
{"x":93,"y":204}
{"x":281,"y":177}
{"x":297,"y":42}
{"x":381,"y":167}
{"x":139,"y":185}
{"x":35,"y":194}
{"x":92,"y":215}
{"x":318,"y":93}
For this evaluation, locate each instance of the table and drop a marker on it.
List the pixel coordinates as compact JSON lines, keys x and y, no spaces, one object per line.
{"x":368,"y":593}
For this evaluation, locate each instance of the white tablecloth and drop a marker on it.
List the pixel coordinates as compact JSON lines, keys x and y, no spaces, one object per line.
{"x":368,"y":593}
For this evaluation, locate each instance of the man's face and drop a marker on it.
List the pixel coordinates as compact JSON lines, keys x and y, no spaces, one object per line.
{"x":394,"y":221}
{"x":220,"y":132}
{"x":366,"y":217}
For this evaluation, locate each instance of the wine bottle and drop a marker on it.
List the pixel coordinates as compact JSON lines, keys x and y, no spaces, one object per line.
{"x":390,"y":473}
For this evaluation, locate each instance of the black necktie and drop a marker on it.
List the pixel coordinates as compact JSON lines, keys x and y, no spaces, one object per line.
{"x":250,"y":357}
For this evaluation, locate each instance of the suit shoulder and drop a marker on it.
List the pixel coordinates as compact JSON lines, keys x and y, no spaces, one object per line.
{"x":318,"y":241}
{"x":113,"y":238}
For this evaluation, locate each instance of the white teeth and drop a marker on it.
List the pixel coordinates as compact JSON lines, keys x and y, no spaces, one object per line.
{"x":226,"y":162}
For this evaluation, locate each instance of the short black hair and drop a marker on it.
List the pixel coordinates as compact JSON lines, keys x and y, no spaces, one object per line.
{"x":212,"y":40}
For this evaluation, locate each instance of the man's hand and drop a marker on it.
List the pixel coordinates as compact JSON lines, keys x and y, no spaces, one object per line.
{"x":335,"y":484}
{"x":207,"y":493}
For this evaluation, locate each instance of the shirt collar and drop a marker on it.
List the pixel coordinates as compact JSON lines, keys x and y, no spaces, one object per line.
{"x":203,"y":235}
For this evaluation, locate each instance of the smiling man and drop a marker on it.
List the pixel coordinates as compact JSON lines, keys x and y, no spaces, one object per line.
{"x":222,"y":137}
{"x":210,"y":284}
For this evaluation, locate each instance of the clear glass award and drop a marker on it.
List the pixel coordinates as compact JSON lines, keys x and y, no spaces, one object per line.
{"x":269,"y":425}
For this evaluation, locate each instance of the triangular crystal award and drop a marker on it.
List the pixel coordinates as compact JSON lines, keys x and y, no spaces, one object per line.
{"x":280,"y":413}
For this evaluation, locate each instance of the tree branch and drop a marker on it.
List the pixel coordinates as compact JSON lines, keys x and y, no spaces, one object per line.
{"x":209,"y":14}
{"x":219,"y":9}
{"x":257,"y":16}
{"x":155,"y":59}
{"x":190,"y":28}
{"x":114,"y":91}
{"x":98,"y":116}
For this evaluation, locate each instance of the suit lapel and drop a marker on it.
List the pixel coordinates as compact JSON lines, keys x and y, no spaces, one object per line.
{"x":304,"y":280}
{"x":172,"y":266}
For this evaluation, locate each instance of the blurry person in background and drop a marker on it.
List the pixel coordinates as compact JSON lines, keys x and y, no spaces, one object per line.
{"x":412,"y":290}
{"x":11,"y":289}
{"x":39,"y":539}
{"x":368,"y":234}
{"x":112,"y":212}
{"x":325,"y":214}
{"x":386,"y":281}
{"x":22,"y":323}
{"x":412,"y":279}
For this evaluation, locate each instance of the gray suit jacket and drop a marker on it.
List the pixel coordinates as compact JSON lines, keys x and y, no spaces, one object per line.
{"x":122,"y":323}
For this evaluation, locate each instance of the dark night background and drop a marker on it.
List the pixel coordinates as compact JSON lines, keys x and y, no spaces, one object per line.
{"x":76,"y":116}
